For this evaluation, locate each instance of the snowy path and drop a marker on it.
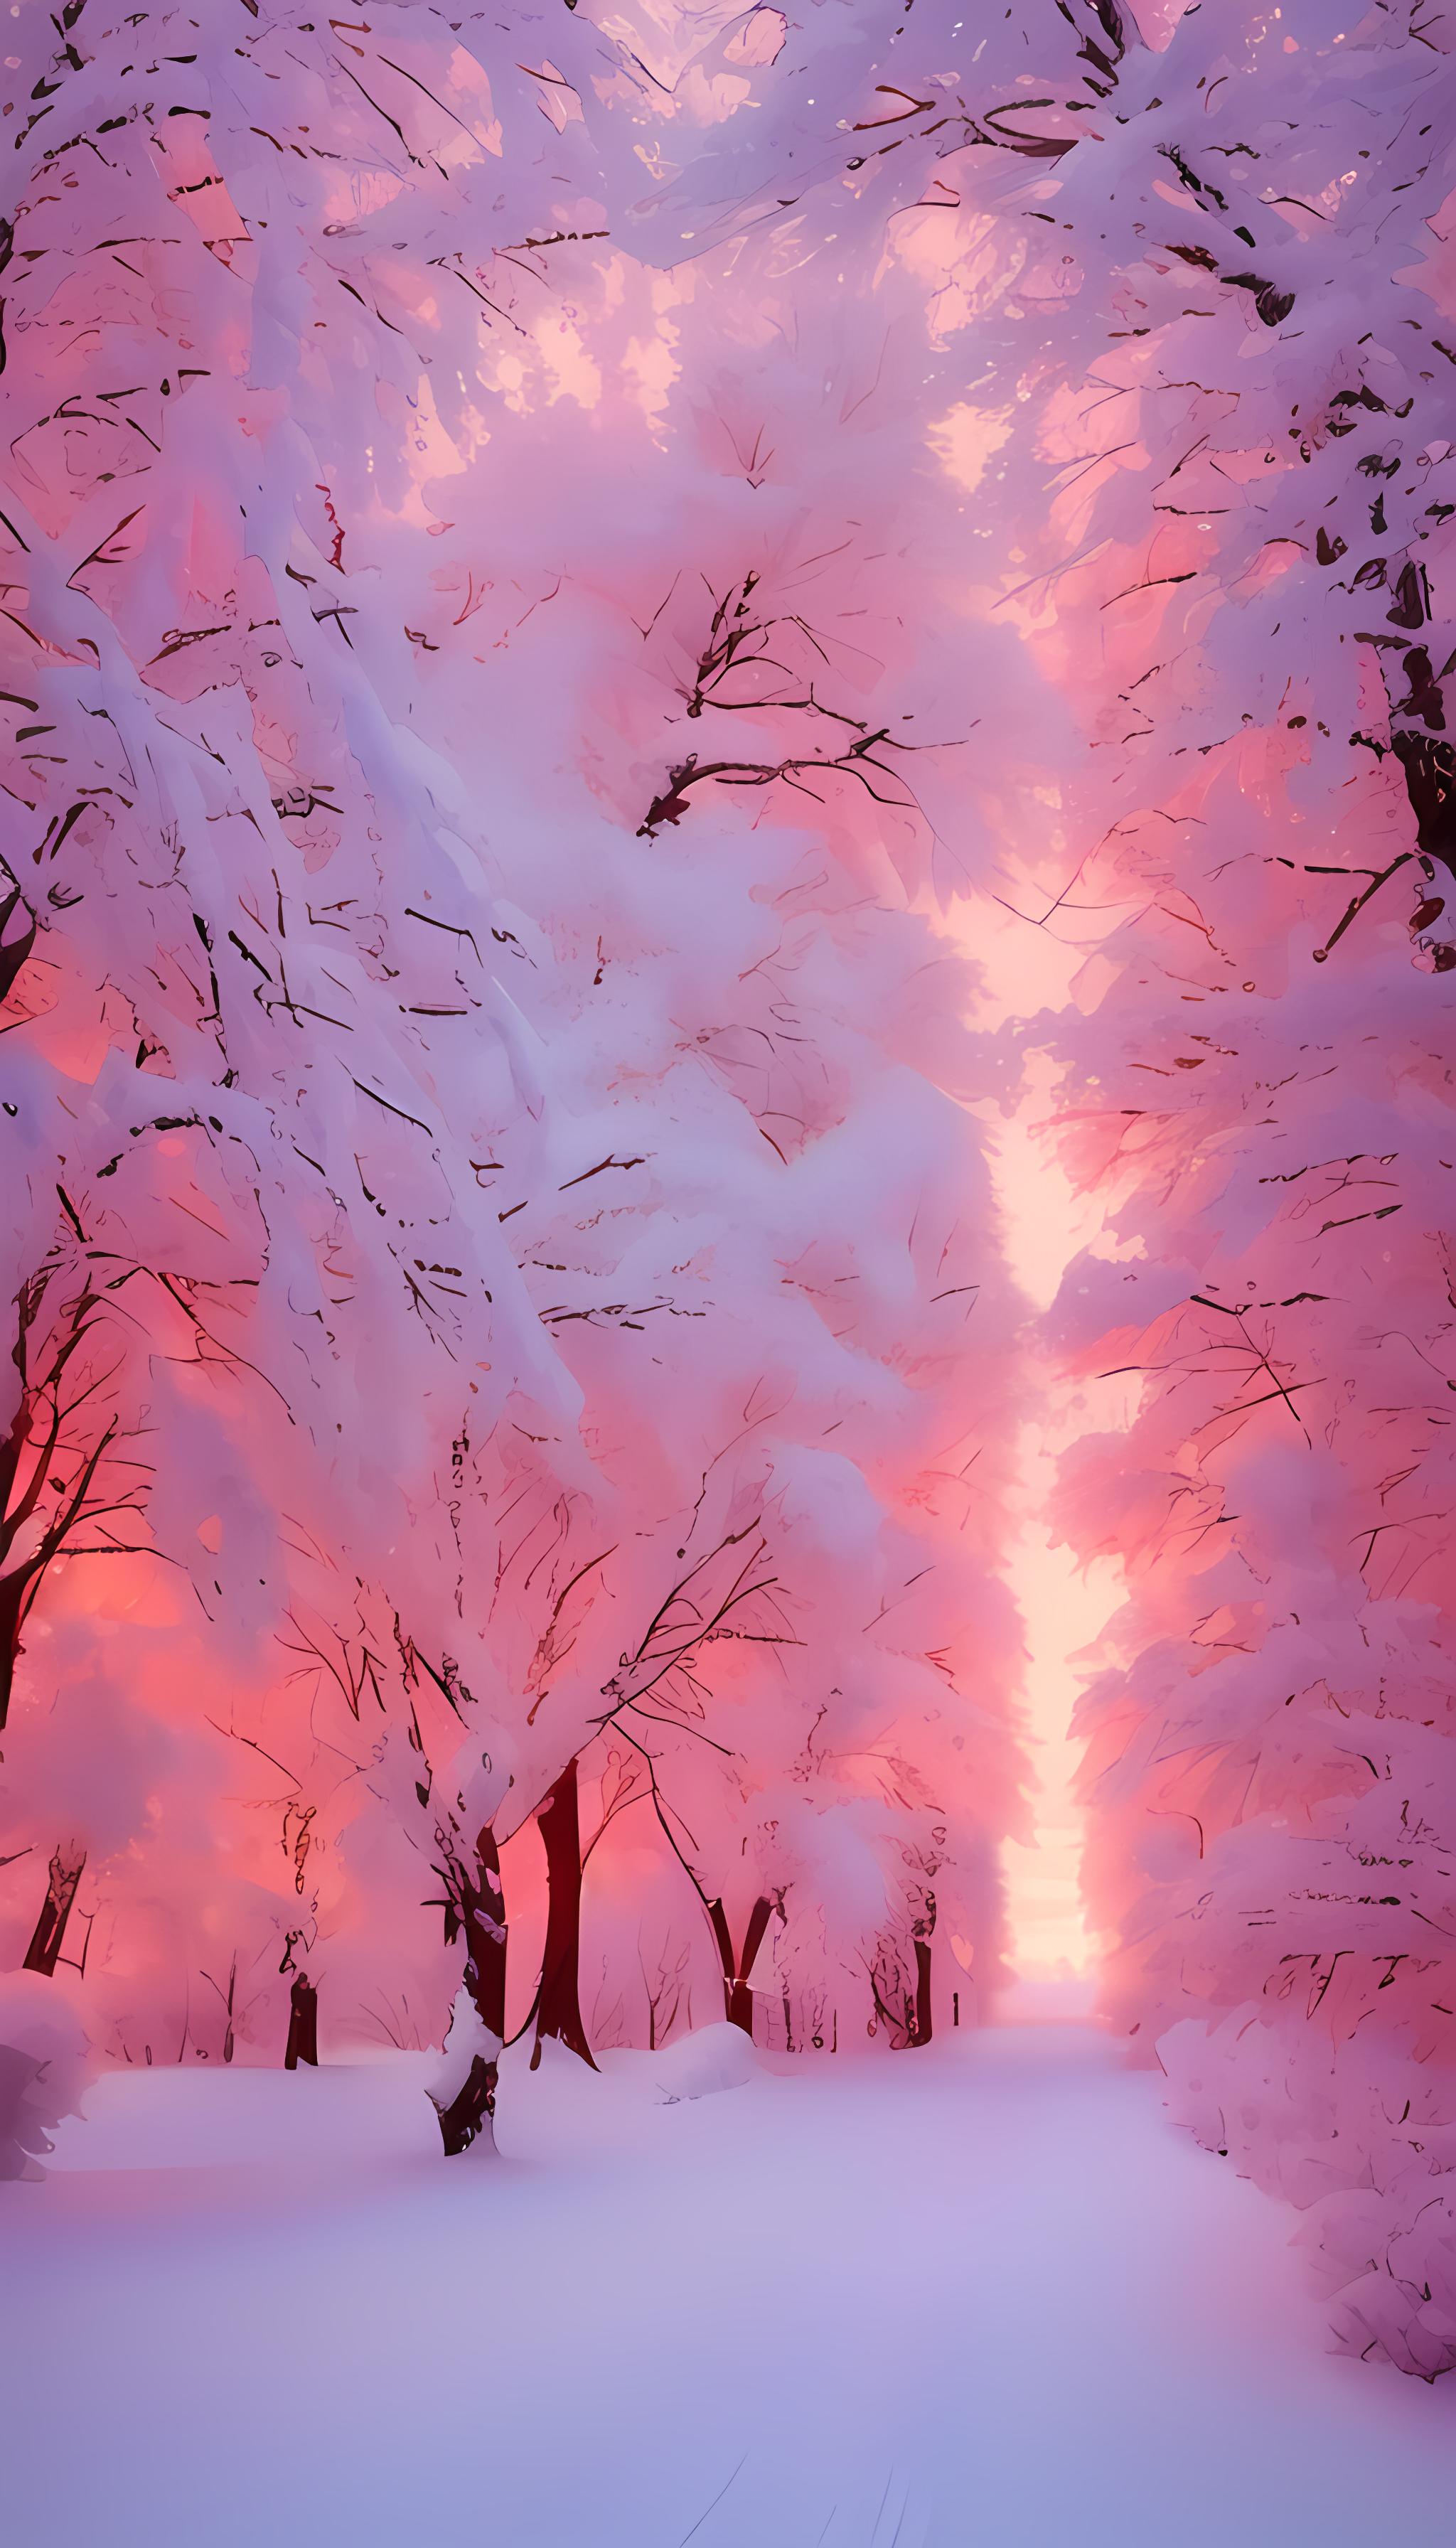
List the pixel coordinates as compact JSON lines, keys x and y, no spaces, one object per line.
{"x":982,"y":2295}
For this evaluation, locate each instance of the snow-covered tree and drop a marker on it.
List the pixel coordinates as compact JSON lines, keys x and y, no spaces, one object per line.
{"x":489,"y":712}
{"x":1240,"y":584}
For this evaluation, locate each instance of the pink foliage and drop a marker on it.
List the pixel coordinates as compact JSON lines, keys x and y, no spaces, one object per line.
{"x":486,"y":1088}
{"x":1248,"y":563}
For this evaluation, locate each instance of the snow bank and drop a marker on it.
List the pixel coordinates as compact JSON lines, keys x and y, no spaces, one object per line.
{"x":42,"y":2068}
{"x":701,"y":2065}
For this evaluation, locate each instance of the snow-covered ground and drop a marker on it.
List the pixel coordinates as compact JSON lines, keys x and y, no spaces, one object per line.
{"x":976,"y":2297}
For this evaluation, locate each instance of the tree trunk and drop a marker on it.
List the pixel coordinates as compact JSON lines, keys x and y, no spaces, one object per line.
{"x":60,"y":1892}
{"x":482,"y":1908}
{"x":738,"y":1999}
{"x":12,"y":1598}
{"x":486,"y":1937}
{"x":922,"y":2012}
{"x":302,"y":2024}
{"x":558,"y":2003}
{"x":471,"y":2112}
{"x":923,"y":2016}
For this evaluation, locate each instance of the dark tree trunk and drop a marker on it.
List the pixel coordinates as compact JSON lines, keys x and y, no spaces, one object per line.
{"x":12,"y":1601}
{"x":60,"y":1892}
{"x":738,"y":1999}
{"x":302,"y":2024}
{"x":921,"y":2014}
{"x":485,"y":1936}
{"x":558,"y":2003}
{"x":923,"y":2017}
{"x":472,"y":2110}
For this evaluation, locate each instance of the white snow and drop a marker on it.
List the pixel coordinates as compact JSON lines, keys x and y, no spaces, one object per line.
{"x":977,"y":2297}
{"x":43,"y":2066}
